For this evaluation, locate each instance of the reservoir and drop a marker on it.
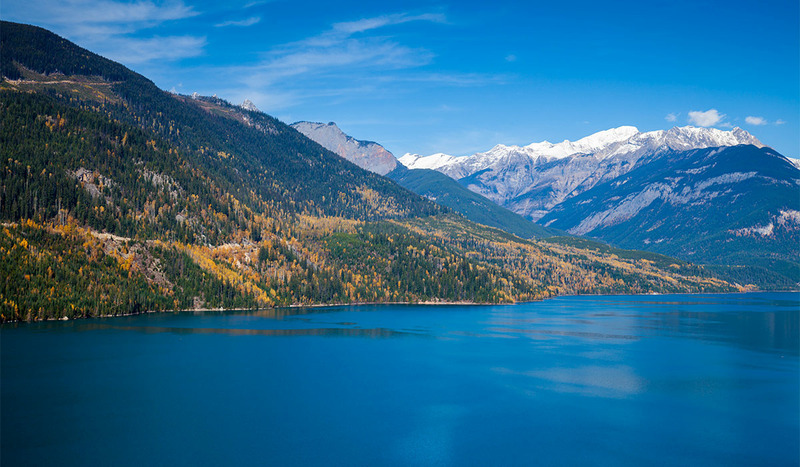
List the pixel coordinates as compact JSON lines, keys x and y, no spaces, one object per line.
{"x":601,"y":380}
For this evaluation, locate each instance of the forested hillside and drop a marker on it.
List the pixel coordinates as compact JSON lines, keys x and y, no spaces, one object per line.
{"x":118,"y":197}
{"x":449,"y":193}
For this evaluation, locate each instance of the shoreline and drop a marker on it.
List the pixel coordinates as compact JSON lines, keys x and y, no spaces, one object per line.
{"x":425,"y":303}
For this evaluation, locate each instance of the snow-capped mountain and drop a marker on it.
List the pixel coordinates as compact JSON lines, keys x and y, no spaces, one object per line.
{"x":532,"y":179}
{"x":365,"y":154}
{"x":725,"y":205}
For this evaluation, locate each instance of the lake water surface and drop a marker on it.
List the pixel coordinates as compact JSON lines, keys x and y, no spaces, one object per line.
{"x":625,"y":380}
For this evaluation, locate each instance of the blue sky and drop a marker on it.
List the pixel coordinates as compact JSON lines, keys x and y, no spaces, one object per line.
{"x":460,"y":77}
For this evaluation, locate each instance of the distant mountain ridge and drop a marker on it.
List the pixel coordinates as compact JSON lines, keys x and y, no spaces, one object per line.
{"x":365,"y":154}
{"x":531,"y":180}
{"x":428,"y":183}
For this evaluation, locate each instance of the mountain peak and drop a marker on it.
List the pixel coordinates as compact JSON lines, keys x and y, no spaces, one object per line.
{"x":365,"y":154}
{"x":317,"y":126}
{"x":691,"y":137}
{"x":248,"y":105}
{"x":606,"y":137}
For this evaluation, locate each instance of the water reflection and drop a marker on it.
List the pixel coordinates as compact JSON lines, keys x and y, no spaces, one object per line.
{"x":762,"y":322}
{"x":776,"y":331}
{"x":609,"y":381}
{"x":334,"y":332}
{"x":269,"y":313}
{"x":551,"y":332}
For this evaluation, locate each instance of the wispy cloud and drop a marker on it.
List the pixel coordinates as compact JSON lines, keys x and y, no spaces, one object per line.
{"x":344,"y":45}
{"x":134,"y":51}
{"x":450,"y":79}
{"x":346,"y":62}
{"x":671,"y":117}
{"x":241,"y":23}
{"x":109,"y":27}
{"x":352,"y":27}
{"x":780,"y":122}
{"x":109,"y":13}
{"x":255,"y":3}
{"x":758,"y":121}
{"x":511,"y":58}
{"x":318,"y":64}
{"x":709,"y":117}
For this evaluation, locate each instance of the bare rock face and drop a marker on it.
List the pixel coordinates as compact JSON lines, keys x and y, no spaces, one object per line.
{"x":248,"y":105}
{"x":704,"y":205}
{"x":365,"y":154}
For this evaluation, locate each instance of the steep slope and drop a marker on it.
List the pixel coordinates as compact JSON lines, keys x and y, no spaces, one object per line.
{"x":734,"y":205}
{"x":117,"y":197}
{"x":531,"y":180}
{"x":365,"y":154}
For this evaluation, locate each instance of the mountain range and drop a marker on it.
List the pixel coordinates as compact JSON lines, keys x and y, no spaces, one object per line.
{"x":118,"y":197}
{"x":701,"y":194}
{"x":530,"y":180}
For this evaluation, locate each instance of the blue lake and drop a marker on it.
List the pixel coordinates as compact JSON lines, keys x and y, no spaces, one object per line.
{"x":624,"y":380}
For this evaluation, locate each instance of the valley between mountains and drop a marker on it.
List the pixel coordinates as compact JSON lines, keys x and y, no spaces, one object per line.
{"x":118,"y":197}
{"x":720,"y":198}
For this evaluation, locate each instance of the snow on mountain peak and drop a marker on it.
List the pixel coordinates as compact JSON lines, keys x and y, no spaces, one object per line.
{"x":606,"y":137}
{"x":690,"y":137}
{"x":434,"y":161}
{"x":540,"y":175}
{"x":622,"y":141}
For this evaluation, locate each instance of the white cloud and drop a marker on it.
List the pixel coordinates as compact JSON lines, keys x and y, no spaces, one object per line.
{"x":671,"y":117}
{"x":710,"y":117}
{"x":346,"y":62}
{"x":77,"y":13}
{"x":366,"y":24}
{"x":320,"y":59}
{"x":240,"y":23}
{"x":344,"y":47}
{"x":134,"y":51}
{"x":755,"y":120}
{"x":511,"y":58}
{"x":450,"y":79}
{"x":780,"y":122}
{"x":255,"y":3}
{"x":109,"y":27}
